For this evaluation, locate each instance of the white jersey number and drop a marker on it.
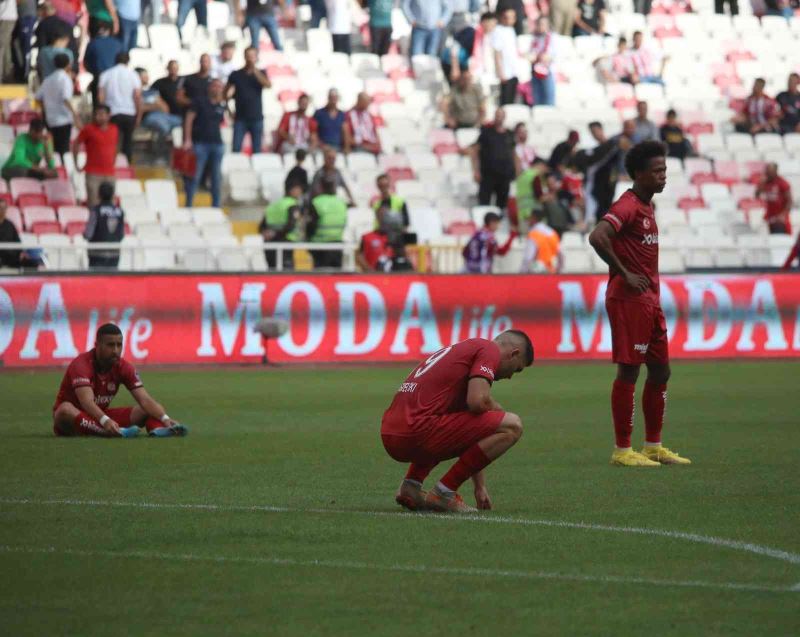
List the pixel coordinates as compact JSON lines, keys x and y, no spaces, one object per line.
{"x":434,"y":358}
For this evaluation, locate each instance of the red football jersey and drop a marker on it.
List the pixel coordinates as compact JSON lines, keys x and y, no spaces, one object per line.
{"x":777,"y":195}
{"x":636,"y":245}
{"x":82,"y":373}
{"x":439,"y":385}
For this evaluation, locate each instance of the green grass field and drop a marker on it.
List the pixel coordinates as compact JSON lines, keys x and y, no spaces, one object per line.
{"x":276,"y":515}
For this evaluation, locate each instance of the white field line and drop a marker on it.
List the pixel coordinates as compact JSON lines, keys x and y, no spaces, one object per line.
{"x":737,"y":545}
{"x":403,"y":568}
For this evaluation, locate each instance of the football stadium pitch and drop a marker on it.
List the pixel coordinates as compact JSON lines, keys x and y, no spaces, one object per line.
{"x":276,"y":515}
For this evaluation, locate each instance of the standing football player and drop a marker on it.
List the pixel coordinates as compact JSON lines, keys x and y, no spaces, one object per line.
{"x":83,"y":404}
{"x":444,"y":410}
{"x":626,"y":238}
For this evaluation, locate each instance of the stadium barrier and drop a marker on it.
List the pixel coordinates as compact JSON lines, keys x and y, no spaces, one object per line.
{"x":194,"y":318}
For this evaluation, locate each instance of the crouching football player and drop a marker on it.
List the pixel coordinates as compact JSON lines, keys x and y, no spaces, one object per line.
{"x":444,"y":410}
{"x":83,"y":404}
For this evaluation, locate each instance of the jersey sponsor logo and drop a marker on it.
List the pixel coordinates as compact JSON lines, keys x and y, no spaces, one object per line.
{"x":81,"y":380}
{"x":650,"y":239}
{"x":103,"y":400}
{"x":112,"y":386}
{"x":641,"y":347}
{"x":407,"y":388}
{"x":488,"y":371}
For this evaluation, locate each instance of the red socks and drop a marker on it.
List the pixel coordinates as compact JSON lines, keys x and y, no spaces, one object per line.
{"x":152,"y":423}
{"x":85,"y":425}
{"x":470,"y":463}
{"x":622,"y":409}
{"x":654,"y":403}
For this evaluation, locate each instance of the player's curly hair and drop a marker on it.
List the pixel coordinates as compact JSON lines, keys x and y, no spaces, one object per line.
{"x":640,"y":155}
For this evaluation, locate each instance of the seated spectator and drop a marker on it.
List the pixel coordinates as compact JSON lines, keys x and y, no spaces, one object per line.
{"x":671,"y":133}
{"x":121,"y":90}
{"x":245,"y":86}
{"x":648,"y":64}
{"x":257,"y":14}
{"x":55,"y":95}
{"x":532,"y":190}
{"x":9,"y":234}
{"x":427,"y":18}
{"x":106,"y":225}
{"x":327,"y":220}
{"x":155,"y":111}
{"x":466,"y":105}
{"x":563,"y":152}
{"x":328,"y":171}
{"x":360,"y":131}
{"x":590,"y":18}
{"x":297,"y":129}
{"x":380,"y":25}
{"x":789,"y":101}
{"x":618,"y":67}
{"x":99,"y":138}
{"x":330,"y":122}
{"x":761,"y":113}
{"x":222,"y":64}
{"x":391,"y":212}
{"x":101,"y":54}
{"x":524,"y":152}
{"x":202,"y":133}
{"x":28,"y":152}
{"x":194,"y":86}
{"x":646,"y":130}
{"x":375,"y":252}
{"x":482,"y":247}
{"x":297,"y":176}
{"x":776,"y":193}
{"x":45,"y":62}
{"x":283,"y":221}
{"x":542,"y":248}
{"x":167,"y":88}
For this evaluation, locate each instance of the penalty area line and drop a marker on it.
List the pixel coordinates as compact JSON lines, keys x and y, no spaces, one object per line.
{"x":737,"y":545}
{"x":401,"y":568}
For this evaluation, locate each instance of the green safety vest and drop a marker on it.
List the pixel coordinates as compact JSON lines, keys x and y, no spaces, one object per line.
{"x":277,"y":215}
{"x":526,"y":200}
{"x":332,"y":218}
{"x":395,"y":213}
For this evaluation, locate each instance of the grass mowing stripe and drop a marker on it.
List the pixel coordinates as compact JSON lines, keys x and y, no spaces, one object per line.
{"x":405,"y":568}
{"x":737,"y":545}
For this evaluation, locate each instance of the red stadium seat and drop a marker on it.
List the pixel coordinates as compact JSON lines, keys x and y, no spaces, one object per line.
{"x":698,"y":128}
{"x":15,"y":216}
{"x":446,"y":149}
{"x":45,"y":227}
{"x":396,"y":174}
{"x":59,"y":190}
{"x":31,"y":199}
{"x":24,"y":185}
{"x":749,"y":204}
{"x":754,"y":170}
{"x":6,"y":196}
{"x":462,"y":228}
{"x":75,"y":228}
{"x":19,"y":118}
{"x":39,"y":214}
{"x":698,"y":179}
{"x":125,"y":172}
{"x":72,"y":214}
{"x":727,"y":172}
{"x":691,"y":202}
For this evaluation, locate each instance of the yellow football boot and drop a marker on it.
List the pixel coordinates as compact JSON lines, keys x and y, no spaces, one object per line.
{"x":631,"y":458}
{"x":664,"y":455}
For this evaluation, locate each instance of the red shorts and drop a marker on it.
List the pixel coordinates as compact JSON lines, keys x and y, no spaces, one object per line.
{"x":120,"y":415}
{"x":447,"y":437}
{"x":638,"y":332}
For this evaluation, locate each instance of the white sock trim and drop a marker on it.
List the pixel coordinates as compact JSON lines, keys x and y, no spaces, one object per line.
{"x":445,"y":490}
{"x":623,"y":448}
{"x":416,"y":483}
{"x":647,"y":443}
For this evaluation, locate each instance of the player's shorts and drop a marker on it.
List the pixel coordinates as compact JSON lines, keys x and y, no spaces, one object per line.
{"x":120,"y":415}
{"x":638,"y":332}
{"x":448,"y":436}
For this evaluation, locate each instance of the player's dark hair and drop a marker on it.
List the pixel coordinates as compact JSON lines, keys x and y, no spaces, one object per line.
{"x":528,"y":345}
{"x":490,"y":217}
{"x":638,"y":157}
{"x":108,"y":329}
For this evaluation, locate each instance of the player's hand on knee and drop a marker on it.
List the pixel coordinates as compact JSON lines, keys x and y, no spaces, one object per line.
{"x":482,"y":499}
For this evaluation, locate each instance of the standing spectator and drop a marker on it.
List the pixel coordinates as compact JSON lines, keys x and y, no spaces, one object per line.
{"x":360,"y":131}
{"x":45,"y":61}
{"x":463,"y":12}
{"x":222,"y":65}
{"x":202,"y":133}
{"x":297,"y":129}
{"x":297,"y":176}
{"x":55,"y":95}
{"x":22,"y":39}
{"x":391,"y":212}
{"x":318,"y":12}
{"x":121,"y":90}
{"x":524,"y":152}
{"x":340,"y":24}
{"x":543,"y":247}
{"x":562,"y":12}
{"x":167,"y":88}
{"x":455,"y":57}
{"x":719,"y":6}
{"x":776,"y":193}
{"x":261,"y":13}
{"x":129,"y":13}
{"x":779,"y":8}
{"x":493,"y":163}
{"x":106,"y":225}
{"x":466,"y":105}
{"x":600,"y":166}
{"x":760,"y":114}
{"x":102,"y":12}
{"x":380,"y":25}
{"x":330,"y":122}
{"x":642,"y":6}
{"x":428,"y":18}
{"x":329,"y":172}
{"x":480,"y":251}
{"x":590,"y":18}
{"x":671,"y":133}
{"x":542,"y":56}
{"x":281,"y":223}
{"x":28,"y":152}
{"x":8,"y":20}
{"x":789,"y":101}
{"x":328,"y":218}
{"x":50,"y":26}
{"x":506,"y":55}
{"x":101,"y":54}
{"x":646,"y":130}
{"x":155,"y":111}
{"x":518,"y":7}
{"x":194,"y":86}
{"x":245,"y":86}
{"x":99,"y":139}
{"x":563,"y":152}
{"x":9,"y":234}
{"x":200,"y":11}
{"x":648,"y":65}
{"x":531,"y":189}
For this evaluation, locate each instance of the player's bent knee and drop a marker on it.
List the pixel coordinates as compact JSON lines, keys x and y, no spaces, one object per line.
{"x":512,"y":425}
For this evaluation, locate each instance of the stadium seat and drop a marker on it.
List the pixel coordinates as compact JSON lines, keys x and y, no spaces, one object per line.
{"x":262,"y":162}
{"x":426,"y":223}
{"x":58,"y":191}
{"x":576,"y":260}
{"x":244,"y":186}
{"x":235,"y":163}
{"x":125,"y":187}
{"x":158,"y":254}
{"x":208,"y":216}
{"x":24,"y":186}
{"x":38,"y":214}
{"x":161,"y":194}
{"x":670,"y":261}
{"x":72,"y":215}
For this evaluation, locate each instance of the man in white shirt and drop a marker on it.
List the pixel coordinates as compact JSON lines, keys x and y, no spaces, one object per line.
{"x":121,"y":89}
{"x":55,"y":94}
{"x":339,"y":24}
{"x":222,"y":65}
{"x":504,"y":44}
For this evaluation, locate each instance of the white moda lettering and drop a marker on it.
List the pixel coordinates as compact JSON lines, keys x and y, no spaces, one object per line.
{"x":215,"y":310}
{"x":407,"y":388}
{"x":317,"y":318}
{"x":417,"y":314}
{"x":763,"y":310}
{"x":575,"y":314}
{"x":487,"y":370}
{"x":641,"y":347}
{"x":6,"y":320}
{"x":717,"y":314}
{"x":50,"y":315}
{"x":650,"y":239}
{"x":376,"y":318}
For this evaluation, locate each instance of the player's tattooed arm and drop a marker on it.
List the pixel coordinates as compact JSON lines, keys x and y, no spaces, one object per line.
{"x":601,"y":240}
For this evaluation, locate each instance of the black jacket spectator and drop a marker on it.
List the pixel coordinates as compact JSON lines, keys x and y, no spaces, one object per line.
{"x":106,"y":225}
{"x":8,"y":234}
{"x":493,"y":161}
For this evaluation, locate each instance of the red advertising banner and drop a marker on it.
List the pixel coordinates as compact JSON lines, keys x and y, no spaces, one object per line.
{"x":190,"y":319}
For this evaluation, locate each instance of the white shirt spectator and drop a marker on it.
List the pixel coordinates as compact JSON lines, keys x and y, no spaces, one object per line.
{"x":53,"y":92}
{"x":339,"y":19}
{"x":119,"y":84}
{"x":504,"y":41}
{"x":221,"y":70}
